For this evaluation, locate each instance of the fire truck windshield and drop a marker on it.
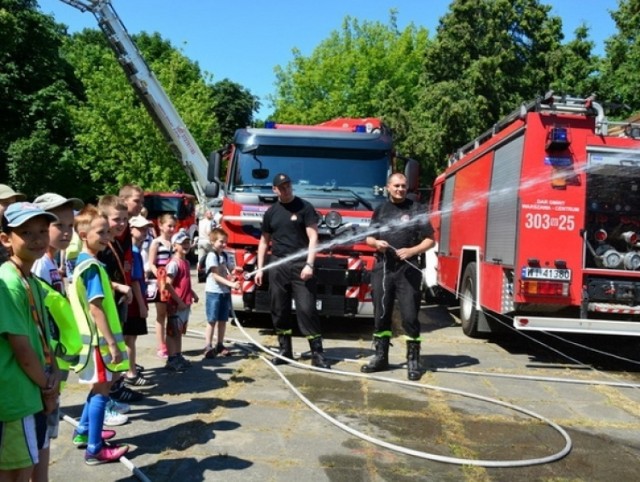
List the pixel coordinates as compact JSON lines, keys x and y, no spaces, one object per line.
{"x":321,"y":170}
{"x":176,"y":205}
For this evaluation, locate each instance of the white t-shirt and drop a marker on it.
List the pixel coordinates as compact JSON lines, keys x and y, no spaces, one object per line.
{"x":217,"y":261}
{"x":47,"y":269}
{"x":204,"y":230}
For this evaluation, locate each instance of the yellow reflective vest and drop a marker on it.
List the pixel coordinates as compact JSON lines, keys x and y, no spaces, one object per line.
{"x":68,"y":346}
{"x":89,"y":333}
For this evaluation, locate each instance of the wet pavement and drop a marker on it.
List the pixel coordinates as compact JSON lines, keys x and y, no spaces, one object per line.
{"x":234,"y":418}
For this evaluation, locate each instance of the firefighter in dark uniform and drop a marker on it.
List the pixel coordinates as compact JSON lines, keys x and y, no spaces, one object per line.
{"x":403,"y":233}
{"x":291,"y":227}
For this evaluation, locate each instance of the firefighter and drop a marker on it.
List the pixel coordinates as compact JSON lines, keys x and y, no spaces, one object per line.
{"x":291,"y":227}
{"x":402,"y":233}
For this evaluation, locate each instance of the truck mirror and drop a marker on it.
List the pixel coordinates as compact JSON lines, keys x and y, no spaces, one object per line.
{"x":412,"y":173}
{"x":212,"y":190}
{"x":213,"y":171}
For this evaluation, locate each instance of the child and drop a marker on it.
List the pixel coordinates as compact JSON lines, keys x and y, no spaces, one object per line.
{"x":48,"y":270}
{"x":28,"y":376}
{"x":159,"y":255}
{"x":7,"y":197}
{"x":181,"y":296}
{"x":60,"y":234}
{"x":117,"y":258}
{"x":146,"y":244}
{"x":104,"y":351}
{"x":218,"y":293}
{"x":136,"y":323}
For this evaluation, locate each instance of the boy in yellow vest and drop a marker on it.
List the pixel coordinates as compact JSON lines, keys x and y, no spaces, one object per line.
{"x":48,"y":270}
{"x":103,"y":353}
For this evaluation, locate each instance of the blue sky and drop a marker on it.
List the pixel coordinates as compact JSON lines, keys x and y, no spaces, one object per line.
{"x":245,"y":41}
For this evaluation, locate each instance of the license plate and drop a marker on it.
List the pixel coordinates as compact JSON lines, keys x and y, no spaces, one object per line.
{"x":318,"y":304}
{"x":553,"y":274}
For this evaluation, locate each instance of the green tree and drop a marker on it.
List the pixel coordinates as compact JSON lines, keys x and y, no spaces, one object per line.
{"x":36,"y":86}
{"x":365,"y":70}
{"x":116,"y":138}
{"x":233,"y":107}
{"x":576,"y":69}
{"x":621,"y":69}
{"x":487,"y":57}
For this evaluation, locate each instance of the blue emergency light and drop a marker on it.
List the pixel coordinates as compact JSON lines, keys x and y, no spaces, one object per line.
{"x":557,"y":139}
{"x":270,"y":124}
{"x":360,"y":128}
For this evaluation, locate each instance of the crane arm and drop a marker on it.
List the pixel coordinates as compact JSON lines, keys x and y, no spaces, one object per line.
{"x":150,"y":91}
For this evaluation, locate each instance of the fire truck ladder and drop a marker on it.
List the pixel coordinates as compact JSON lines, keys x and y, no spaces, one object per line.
{"x":549,"y":103}
{"x":151,"y":93}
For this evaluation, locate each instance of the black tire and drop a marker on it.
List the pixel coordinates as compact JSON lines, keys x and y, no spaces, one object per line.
{"x":468,"y":297}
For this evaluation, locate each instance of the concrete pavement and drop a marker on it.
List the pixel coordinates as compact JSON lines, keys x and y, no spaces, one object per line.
{"x":233,"y":418}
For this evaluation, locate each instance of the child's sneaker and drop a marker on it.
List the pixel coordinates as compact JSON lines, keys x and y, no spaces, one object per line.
{"x":113,"y":418}
{"x":174,"y":364}
{"x":119,"y":407}
{"x":138,"y":381}
{"x":125,"y":394}
{"x":162,"y":352}
{"x":81,"y":440}
{"x":209,"y":352}
{"x":108,"y":453}
{"x":222,"y":350}
{"x":183,"y":360}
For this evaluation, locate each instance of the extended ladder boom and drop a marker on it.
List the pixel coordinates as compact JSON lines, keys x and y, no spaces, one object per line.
{"x":150,"y":92}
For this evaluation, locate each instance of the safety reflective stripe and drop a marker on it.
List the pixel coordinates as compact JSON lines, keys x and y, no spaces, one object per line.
{"x":86,"y":326}
{"x":249,"y":257}
{"x":284,"y":332}
{"x":248,"y":286}
{"x":352,"y":291}
{"x":408,"y":338}
{"x":67,"y":348}
{"x":383,"y":334}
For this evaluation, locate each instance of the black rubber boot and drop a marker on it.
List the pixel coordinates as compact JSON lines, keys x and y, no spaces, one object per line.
{"x":413,"y":360}
{"x":286,"y":350}
{"x":317,"y":353}
{"x":380,"y":360}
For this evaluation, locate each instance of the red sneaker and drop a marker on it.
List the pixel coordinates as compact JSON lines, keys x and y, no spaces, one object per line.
{"x":108,"y":453}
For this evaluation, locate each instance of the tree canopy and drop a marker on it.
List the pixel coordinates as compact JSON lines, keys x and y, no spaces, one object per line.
{"x":36,"y":88}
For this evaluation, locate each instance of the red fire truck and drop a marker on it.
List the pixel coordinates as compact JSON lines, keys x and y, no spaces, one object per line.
{"x":340,"y":167}
{"x":182,"y":205}
{"x":538,"y":219}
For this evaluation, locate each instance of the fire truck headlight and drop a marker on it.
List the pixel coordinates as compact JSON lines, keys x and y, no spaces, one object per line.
{"x":333,"y":219}
{"x":632,"y":260}
{"x":611,"y":259}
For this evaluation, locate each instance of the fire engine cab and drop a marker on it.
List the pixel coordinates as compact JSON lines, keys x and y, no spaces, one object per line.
{"x":341,"y":168}
{"x":538,"y":219}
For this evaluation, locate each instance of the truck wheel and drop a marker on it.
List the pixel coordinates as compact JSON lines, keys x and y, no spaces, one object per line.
{"x":468,"y":297}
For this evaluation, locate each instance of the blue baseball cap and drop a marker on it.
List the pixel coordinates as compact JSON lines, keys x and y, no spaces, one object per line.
{"x":19,"y":213}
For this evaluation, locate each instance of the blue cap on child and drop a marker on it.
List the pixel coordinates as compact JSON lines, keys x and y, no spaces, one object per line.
{"x":19,"y":213}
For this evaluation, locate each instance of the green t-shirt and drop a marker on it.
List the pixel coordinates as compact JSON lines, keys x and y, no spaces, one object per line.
{"x":19,"y":396}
